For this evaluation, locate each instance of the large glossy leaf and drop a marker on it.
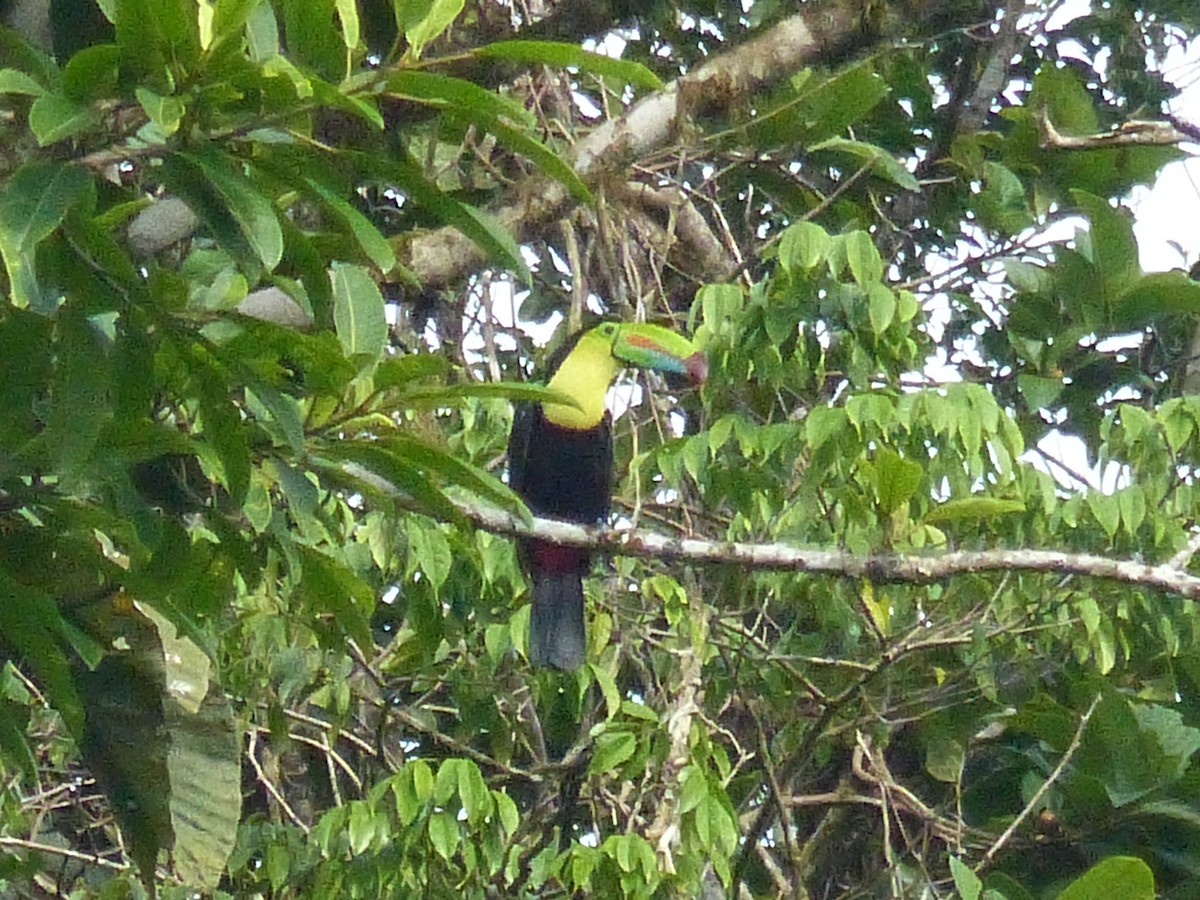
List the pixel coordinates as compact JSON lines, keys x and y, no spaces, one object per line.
{"x":455,"y":472}
{"x":358,"y":313}
{"x":14,"y":747}
{"x":79,"y":391}
{"x":464,"y":97}
{"x":1117,"y":876}
{"x":369,"y":238}
{"x":394,"y":472}
{"x":443,"y":395}
{"x":487,"y":110}
{"x":425,"y":20}
{"x":33,"y":630}
{"x":35,"y":200}
{"x":329,"y":589}
{"x":237,"y":200}
{"x":161,"y":738}
{"x":486,"y":232}
{"x":552,"y":53}
{"x":203,"y":758}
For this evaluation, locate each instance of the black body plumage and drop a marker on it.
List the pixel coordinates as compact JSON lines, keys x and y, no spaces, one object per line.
{"x":561,"y":473}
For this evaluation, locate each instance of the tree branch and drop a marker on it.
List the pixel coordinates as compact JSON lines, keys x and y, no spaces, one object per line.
{"x":823,"y":32}
{"x":1132,"y":133}
{"x":901,"y":569}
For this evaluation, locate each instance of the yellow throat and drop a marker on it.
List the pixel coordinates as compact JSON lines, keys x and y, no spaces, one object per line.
{"x":584,"y":376}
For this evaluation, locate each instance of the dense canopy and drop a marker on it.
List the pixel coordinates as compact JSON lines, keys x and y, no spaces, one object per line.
{"x":275,"y":272}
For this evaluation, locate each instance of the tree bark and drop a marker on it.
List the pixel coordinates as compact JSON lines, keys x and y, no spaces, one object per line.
{"x":822,"y":33}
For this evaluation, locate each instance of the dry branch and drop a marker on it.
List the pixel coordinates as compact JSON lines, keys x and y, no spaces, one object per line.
{"x":1135,"y":132}
{"x":881,"y":569}
{"x":822,"y":32}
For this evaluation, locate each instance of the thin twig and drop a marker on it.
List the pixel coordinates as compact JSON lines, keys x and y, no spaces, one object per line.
{"x":65,"y":852}
{"x":270,"y":786}
{"x":1181,"y":559}
{"x":1041,"y":791}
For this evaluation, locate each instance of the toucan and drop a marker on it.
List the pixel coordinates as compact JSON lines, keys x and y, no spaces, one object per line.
{"x":560,"y":460}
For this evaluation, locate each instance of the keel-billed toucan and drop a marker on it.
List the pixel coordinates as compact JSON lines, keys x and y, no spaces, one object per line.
{"x":560,"y":460}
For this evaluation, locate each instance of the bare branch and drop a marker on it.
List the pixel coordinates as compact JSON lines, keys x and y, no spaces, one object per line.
{"x":782,"y":557}
{"x":1135,"y":132}
{"x":267,"y":783}
{"x":664,"y":832}
{"x":822,"y":32}
{"x":65,"y":852}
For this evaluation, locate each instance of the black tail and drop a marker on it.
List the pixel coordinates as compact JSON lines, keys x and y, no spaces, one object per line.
{"x":557,"y":636}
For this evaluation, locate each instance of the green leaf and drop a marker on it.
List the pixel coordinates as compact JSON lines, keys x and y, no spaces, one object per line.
{"x":446,"y":783}
{"x":473,"y":792}
{"x":79,"y":394}
{"x":1131,"y":501}
{"x":866,"y":265}
{"x":398,"y":475}
{"x":451,"y":394}
{"x":422,"y":777}
{"x":972,"y":509}
{"x":444,"y":834}
{"x":165,"y":112}
{"x":506,"y":809}
{"x":803,"y":246}
{"x":358,"y":312}
{"x":966,"y":882}
{"x":612,"y":749}
{"x":14,"y":748}
{"x":944,"y":758}
{"x":92,"y":74}
{"x":361,"y":828}
{"x":222,"y":428}
{"x":694,"y":788}
{"x":438,"y":16}
{"x":1114,"y":248}
{"x":33,"y":627}
{"x":881,"y":307}
{"x":328,"y":588}
{"x":1178,"y":742}
{"x":1027,"y":277}
{"x":54,"y":118}
{"x":253,"y":213}
{"x":898,"y":479}
{"x":1118,"y":876}
{"x":229,"y":18}
{"x":552,"y":53}
{"x":347,"y":12}
{"x":1039,"y":392}
{"x":1001,"y":204}
{"x":369,"y":238}
{"x":429,"y":551}
{"x":1150,"y":297}
{"x":455,"y":470}
{"x":882,"y":161}
{"x":491,"y":237}
{"x":547,"y":160}
{"x":14,"y":81}
{"x":463,"y":97}
{"x":399,"y":371}
{"x":262,"y":31}
{"x":34,"y":202}
{"x":823,"y":424}
{"x":1107,"y":511}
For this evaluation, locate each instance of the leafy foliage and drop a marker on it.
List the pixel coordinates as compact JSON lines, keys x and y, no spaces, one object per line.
{"x":246,"y":417}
